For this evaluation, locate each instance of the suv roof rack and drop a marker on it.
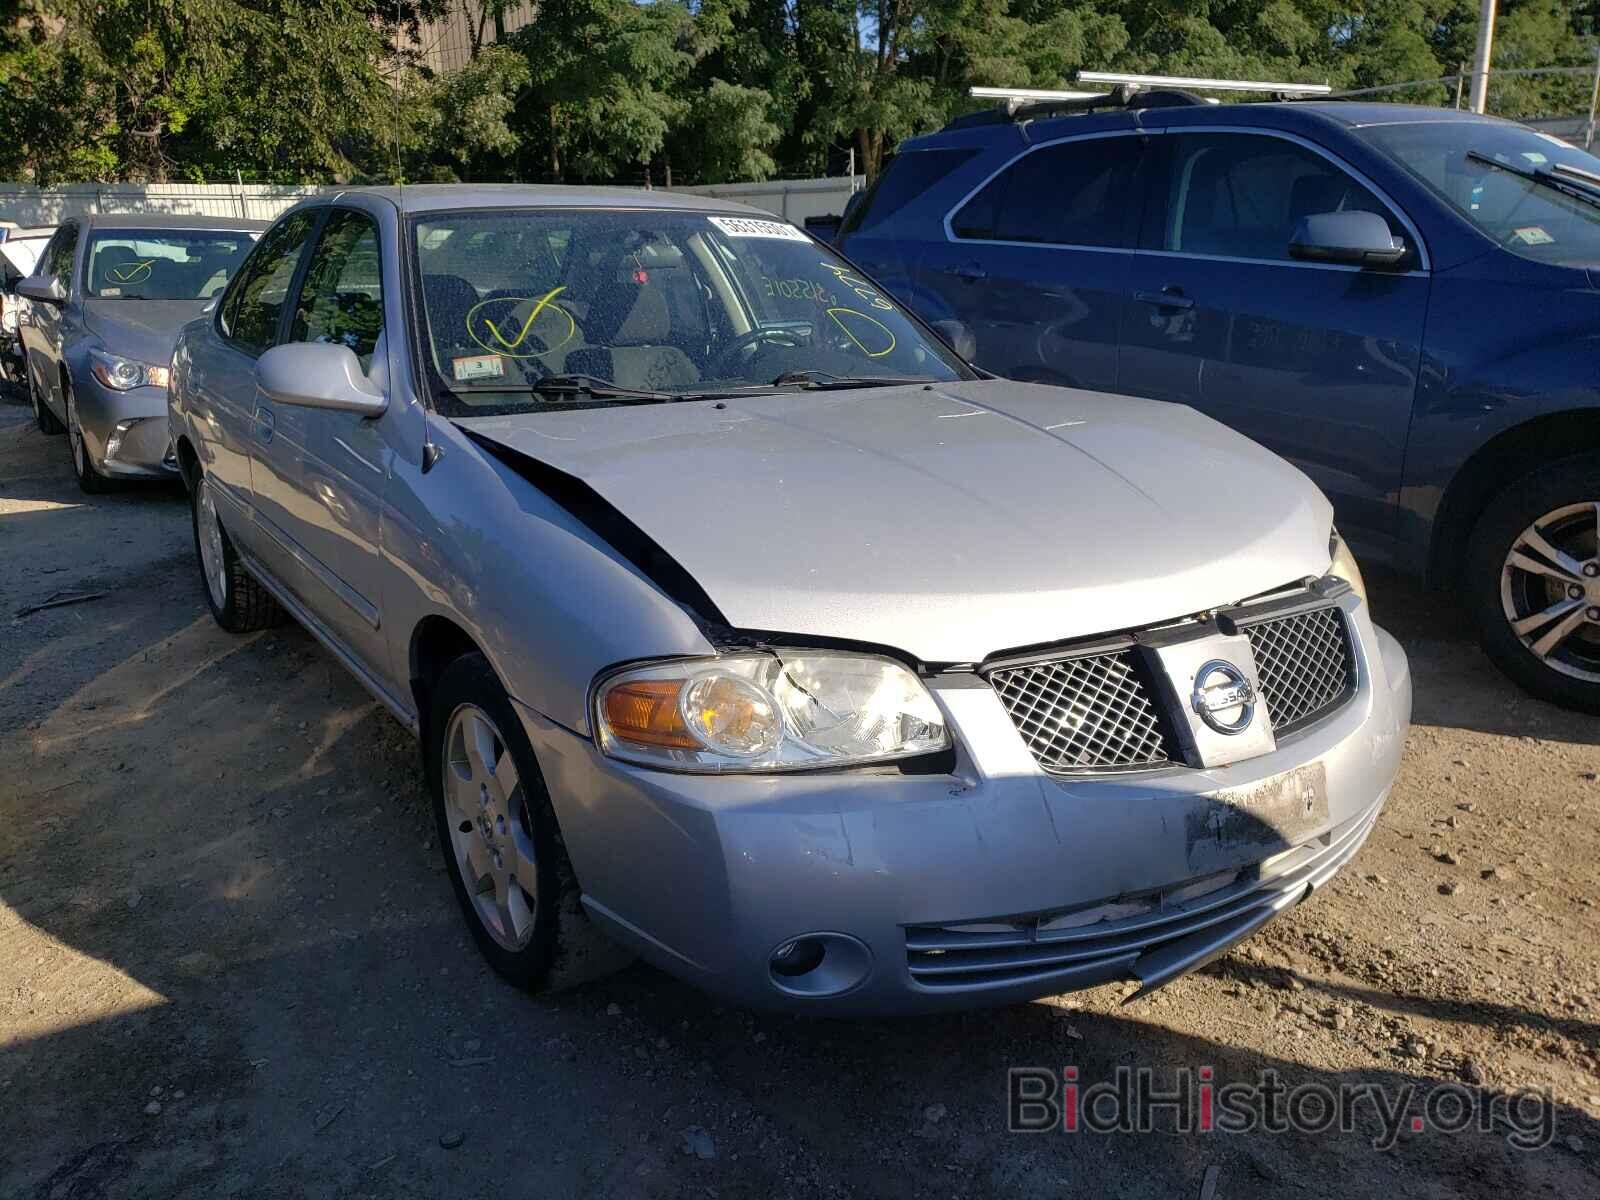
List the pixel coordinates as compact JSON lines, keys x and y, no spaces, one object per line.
{"x":1127,"y":91}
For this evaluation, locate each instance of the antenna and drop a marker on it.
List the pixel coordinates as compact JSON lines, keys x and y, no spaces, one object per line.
{"x":399,"y":161}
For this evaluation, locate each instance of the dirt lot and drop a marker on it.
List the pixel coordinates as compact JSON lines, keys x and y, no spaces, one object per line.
{"x":230,"y":963}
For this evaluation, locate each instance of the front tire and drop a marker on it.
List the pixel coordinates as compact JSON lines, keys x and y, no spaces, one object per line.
{"x":1533,"y":582}
{"x":499,"y":836}
{"x":236,"y":598}
{"x":90,"y":481}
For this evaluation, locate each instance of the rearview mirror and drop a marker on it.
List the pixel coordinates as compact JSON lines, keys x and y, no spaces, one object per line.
{"x":42,"y":287}
{"x":1359,"y":239}
{"x":957,"y":336}
{"x":319,"y":375}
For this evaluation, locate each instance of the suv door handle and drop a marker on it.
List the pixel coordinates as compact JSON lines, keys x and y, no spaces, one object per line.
{"x":970,"y":271}
{"x":1170,"y":297}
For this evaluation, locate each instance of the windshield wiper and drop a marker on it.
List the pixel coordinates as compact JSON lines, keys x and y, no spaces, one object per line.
{"x":810,"y":377}
{"x":595,"y":388}
{"x":1569,"y":181}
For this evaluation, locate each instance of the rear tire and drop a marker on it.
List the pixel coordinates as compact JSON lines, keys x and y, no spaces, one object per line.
{"x":42,"y":416}
{"x":1532,"y":582}
{"x":236,"y":598}
{"x":500,"y":839}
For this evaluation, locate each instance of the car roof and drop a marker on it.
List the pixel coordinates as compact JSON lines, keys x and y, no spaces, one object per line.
{"x":436,"y":197}
{"x":169,"y":221}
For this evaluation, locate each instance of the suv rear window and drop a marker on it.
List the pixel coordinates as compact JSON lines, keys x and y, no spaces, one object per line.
{"x":905,"y":177}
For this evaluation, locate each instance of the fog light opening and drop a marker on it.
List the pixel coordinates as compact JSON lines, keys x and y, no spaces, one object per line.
{"x":796,"y":958}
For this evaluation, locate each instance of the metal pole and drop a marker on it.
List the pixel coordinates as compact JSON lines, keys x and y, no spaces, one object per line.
{"x":1461,"y":79}
{"x":1480,"y":61}
{"x":1594,"y":103}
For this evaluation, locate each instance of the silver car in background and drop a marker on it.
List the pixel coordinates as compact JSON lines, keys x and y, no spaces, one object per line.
{"x":747,"y":628}
{"x":103,"y":310}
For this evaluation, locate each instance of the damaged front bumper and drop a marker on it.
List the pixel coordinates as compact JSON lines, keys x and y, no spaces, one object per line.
{"x":993,"y":884}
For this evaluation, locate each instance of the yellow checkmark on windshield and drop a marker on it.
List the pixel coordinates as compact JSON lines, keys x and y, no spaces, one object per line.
{"x":522,"y":334}
{"x":131,"y":272}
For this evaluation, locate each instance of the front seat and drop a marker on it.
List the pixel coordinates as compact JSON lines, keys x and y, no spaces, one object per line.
{"x":629,"y":327}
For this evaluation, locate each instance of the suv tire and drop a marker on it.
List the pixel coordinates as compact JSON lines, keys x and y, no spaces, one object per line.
{"x":1532,"y":581}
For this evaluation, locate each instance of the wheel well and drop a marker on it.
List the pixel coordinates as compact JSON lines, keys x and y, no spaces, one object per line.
{"x":188,"y":463}
{"x":1497,"y":463}
{"x":435,"y":644}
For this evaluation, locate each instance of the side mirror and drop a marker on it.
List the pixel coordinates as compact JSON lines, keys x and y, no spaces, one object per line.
{"x":957,"y":336}
{"x":319,"y":375}
{"x":1360,"y":239}
{"x":42,"y":287}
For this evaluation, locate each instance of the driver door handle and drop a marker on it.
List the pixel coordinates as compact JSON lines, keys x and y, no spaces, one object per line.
{"x":1170,"y":297}
{"x":970,"y":271}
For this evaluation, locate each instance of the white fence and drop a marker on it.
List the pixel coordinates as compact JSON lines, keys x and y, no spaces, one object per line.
{"x":795,"y":199}
{"x":35,"y":206}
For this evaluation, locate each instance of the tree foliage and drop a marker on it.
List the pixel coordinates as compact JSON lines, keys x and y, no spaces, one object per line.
{"x":665,"y":90}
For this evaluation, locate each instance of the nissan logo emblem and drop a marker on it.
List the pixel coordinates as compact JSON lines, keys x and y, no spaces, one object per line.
{"x":1223,"y":697}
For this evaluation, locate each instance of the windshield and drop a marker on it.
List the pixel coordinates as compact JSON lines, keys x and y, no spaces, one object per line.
{"x":664,"y":304}
{"x":163,"y":264}
{"x":1526,"y":209}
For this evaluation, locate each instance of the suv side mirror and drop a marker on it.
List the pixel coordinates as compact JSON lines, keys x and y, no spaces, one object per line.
{"x":957,"y":336}
{"x":319,"y":375}
{"x":1360,"y":239}
{"x":42,"y":287}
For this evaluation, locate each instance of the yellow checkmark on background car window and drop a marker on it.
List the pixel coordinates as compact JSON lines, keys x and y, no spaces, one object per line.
{"x":134,"y":272}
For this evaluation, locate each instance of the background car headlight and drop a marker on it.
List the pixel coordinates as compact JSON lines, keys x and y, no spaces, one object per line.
{"x":1344,"y":565}
{"x":781,"y":711}
{"x":122,"y":374}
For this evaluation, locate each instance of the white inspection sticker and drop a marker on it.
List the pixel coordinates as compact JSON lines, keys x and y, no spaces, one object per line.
{"x":1533,"y":235}
{"x":478,"y":366}
{"x":749,"y":227}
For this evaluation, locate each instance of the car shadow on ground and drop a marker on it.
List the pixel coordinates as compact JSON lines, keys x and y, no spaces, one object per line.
{"x":231,"y":965}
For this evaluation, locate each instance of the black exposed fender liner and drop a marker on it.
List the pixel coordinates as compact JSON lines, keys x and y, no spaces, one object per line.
{"x":611,"y":526}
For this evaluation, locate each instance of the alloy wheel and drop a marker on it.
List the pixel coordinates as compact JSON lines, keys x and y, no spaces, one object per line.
{"x":490,"y":827}
{"x":213,"y":560}
{"x":1550,"y":590}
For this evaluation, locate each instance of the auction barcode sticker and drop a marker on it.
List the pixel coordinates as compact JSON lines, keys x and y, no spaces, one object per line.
{"x":749,"y":227}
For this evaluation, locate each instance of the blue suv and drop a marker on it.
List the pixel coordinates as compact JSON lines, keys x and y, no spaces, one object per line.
{"x":1403,"y":301}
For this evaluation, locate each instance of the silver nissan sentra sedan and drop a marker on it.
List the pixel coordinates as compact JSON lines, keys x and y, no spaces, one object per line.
{"x":748,"y":629}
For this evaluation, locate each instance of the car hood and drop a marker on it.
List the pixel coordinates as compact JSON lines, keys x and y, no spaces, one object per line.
{"x":146,"y":330}
{"x":949,"y":521}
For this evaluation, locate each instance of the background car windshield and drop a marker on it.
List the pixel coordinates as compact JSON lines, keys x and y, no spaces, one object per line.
{"x":675,"y":302}
{"x":1529,"y":217}
{"x":134,"y":264}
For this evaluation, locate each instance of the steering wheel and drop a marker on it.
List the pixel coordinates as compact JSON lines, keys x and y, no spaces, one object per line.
{"x":747,"y":344}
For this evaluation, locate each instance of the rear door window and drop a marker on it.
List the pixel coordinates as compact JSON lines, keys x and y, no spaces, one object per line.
{"x":1077,"y":193}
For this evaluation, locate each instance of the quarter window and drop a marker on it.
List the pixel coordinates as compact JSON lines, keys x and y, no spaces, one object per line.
{"x":342,"y":298}
{"x":1241,"y":195}
{"x":1078,"y":193}
{"x":251,"y":309}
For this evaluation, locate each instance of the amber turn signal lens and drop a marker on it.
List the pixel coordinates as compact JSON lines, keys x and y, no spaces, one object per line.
{"x":646,"y":711}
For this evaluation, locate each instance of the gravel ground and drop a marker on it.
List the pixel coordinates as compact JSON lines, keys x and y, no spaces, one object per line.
{"x":231,"y":965}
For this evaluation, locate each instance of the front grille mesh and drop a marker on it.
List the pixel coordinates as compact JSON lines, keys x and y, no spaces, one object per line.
{"x":1095,"y":712}
{"x":1084,"y":712}
{"x":1304,"y":665}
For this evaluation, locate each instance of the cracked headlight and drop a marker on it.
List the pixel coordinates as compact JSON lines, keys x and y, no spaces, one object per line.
{"x":1344,"y":565}
{"x":121,"y":374}
{"x":783,"y":710}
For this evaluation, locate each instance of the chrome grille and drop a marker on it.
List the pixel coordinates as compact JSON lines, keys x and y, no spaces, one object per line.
{"x":1304,"y":665}
{"x":1084,"y":712}
{"x":1093,"y":712}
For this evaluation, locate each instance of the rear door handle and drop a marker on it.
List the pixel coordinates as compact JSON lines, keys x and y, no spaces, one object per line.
{"x":969,"y":271}
{"x":1169,"y":298}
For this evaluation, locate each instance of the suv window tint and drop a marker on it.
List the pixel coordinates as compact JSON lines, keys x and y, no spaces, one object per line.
{"x":1076,"y":193}
{"x":342,"y":297}
{"x":251,"y":308}
{"x":1240,"y":195}
{"x":903,"y":178}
